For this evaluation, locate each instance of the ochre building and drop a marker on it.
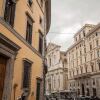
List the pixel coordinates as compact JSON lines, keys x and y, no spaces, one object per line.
{"x":23,"y":28}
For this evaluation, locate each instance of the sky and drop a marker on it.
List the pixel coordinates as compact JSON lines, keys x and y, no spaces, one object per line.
{"x":68,"y":16}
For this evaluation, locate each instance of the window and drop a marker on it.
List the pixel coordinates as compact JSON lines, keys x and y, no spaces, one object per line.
{"x":81,"y":60}
{"x":78,"y":92}
{"x":80,"y":53}
{"x":76,"y":38}
{"x":96,"y":34}
{"x":30,"y":2}
{"x":79,"y":36}
{"x":93,"y":81}
{"x":78,"y":84}
{"x":81,"y":70}
{"x":86,"y":69}
{"x":54,"y":82}
{"x":88,"y":92}
{"x":97,"y":42}
{"x":59,"y":80}
{"x":91,"y":56}
{"x":9,"y":14}
{"x":84,"y":50}
{"x":55,"y":59}
{"x":70,"y":73}
{"x":99,"y":65}
{"x":40,"y":43}
{"x":98,"y":55}
{"x":29,"y":30}
{"x":38,"y":90}
{"x":27,"y":75}
{"x":85,"y":58}
{"x":84,"y":33}
{"x":41,"y":22}
{"x":87,"y":82}
{"x":73,"y":72}
{"x":92,"y":68}
{"x":90,"y":46}
{"x":94,"y":91}
{"x":50,"y":61}
{"x":77,"y":71}
{"x":41,"y":3}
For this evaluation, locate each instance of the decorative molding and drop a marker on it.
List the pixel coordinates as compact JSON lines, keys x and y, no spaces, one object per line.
{"x":29,"y":15}
{"x":25,"y":59}
{"x":9,"y":50}
{"x":8,"y":43}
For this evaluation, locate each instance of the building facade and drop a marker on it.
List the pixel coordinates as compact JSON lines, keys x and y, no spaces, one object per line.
{"x":56,"y":77}
{"x":84,"y":61}
{"x":23,"y":28}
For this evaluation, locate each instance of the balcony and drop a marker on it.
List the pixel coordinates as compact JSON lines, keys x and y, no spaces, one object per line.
{"x":82,"y":76}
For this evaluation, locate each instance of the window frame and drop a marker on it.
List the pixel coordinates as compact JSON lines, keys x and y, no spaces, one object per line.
{"x":38,"y":82}
{"x":29,"y":29}
{"x":9,"y":13}
{"x":41,"y":42}
{"x":29,"y":80}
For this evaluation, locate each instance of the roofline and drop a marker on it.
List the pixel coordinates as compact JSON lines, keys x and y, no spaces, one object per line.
{"x":86,"y":25}
{"x":90,"y":32}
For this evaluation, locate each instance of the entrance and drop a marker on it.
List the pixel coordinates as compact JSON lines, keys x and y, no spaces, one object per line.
{"x":3,"y":61}
{"x":83,"y":90}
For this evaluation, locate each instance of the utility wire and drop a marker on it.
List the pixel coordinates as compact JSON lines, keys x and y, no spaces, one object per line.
{"x":59,"y":33}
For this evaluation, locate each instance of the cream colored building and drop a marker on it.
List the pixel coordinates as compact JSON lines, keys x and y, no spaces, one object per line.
{"x":23,"y":28}
{"x":56,"y":77}
{"x":84,"y":61}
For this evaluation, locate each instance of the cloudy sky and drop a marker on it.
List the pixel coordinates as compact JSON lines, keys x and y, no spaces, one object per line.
{"x":68,"y":16}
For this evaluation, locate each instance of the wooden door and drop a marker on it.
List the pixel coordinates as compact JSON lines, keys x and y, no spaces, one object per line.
{"x":3,"y":61}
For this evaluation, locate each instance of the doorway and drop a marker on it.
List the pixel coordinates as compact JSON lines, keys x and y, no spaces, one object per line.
{"x":83,"y":90}
{"x":3,"y":61}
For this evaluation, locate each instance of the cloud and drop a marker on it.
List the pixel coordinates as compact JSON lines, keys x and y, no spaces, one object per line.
{"x":68,"y":16}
